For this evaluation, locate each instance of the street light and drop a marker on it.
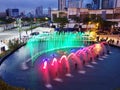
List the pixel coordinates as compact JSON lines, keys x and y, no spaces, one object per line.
{"x":46,"y":18}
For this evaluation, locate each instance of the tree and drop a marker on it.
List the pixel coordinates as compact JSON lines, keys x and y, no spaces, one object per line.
{"x":26,"y":19}
{"x":89,"y":6}
{"x":87,"y":19}
{"x":62,"y":21}
{"x":7,"y":20}
{"x":103,"y":24}
{"x":77,"y":19}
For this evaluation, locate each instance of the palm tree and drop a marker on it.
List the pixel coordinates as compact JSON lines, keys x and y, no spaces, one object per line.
{"x":103,"y":24}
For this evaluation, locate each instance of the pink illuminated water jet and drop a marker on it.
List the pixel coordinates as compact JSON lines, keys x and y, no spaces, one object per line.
{"x":55,"y":70}
{"x":45,"y":74}
{"x":77,"y":61}
{"x":64,"y":60}
{"x":61,"y":66}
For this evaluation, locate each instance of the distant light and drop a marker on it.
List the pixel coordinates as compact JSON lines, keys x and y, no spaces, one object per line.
{"x":46,"y":18}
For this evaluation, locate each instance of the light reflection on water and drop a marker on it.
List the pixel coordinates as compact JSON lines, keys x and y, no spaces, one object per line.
{"x":11,"y":72}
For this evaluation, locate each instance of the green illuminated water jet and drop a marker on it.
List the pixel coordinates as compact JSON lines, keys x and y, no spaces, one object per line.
{"x":48,"y":42}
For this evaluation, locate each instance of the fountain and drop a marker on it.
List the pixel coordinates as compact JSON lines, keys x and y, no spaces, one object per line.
{"x":55,"y":70}
{"x":64,"y":59}
{"x":56,"y":66}
{"x":60,"y":64}
{"x":45,"y":74}
{"x":77,"y":61}
{"x":53,"y":42}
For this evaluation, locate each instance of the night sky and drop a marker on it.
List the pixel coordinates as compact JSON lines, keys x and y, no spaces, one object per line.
{"x":30,"y":5}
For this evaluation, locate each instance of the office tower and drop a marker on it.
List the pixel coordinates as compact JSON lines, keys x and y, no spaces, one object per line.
{"x":75,"y":3}
{"x":39,"y":11}
{"x":12,"y":12}
{"x":49,"y":12}
{"x":9,"y":12}
{"x":105,"y":4}
{"x":112,"y":3}
{"x":2,"y":14}
{"x":96,"y":4}
{"x":117,"y":3}
{"x":15,"y":12}
{"x":108,"y":4}
{"x":61,"y":5}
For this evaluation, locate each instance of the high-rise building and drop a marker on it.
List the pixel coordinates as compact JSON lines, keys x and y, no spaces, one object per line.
{"x":105,"y":4}
{"x":117,"y":3}
{"x":12,"y":12}
{"x":96,"y":4}
{"x":61,"y":5}
{"x":39,"y":11}
{"x":22,"y":14}
{"x":2,"y":14}
{"x":49,"y":12}
{"x":108,"y":4}
{"x":75,"y":3}
{"x":9,"y":12}
{"x":111,"y":3}
{"x":15,"y":12}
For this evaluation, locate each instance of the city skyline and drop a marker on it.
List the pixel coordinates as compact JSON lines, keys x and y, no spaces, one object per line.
{"x":27,"y":5}
{"x":30,"y":5}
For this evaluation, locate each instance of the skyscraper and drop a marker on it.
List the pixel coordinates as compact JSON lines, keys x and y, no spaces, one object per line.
{"x":75,"y":3}
{"x":96,"y":4}
{"x":111,"y":3}
{"x":61,"y":5}
{"x":105,"y":4}
{"x":39,"y":11}
{"x":117,"y":3}
{"x":12,"y":12}
{"x":49,"y":11}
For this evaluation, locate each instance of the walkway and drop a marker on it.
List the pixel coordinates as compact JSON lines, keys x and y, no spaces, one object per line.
{"x":14,"y":33}
{"x":113,"y":39}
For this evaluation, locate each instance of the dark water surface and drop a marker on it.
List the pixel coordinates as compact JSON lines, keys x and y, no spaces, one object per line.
{"x":104,"y":76}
